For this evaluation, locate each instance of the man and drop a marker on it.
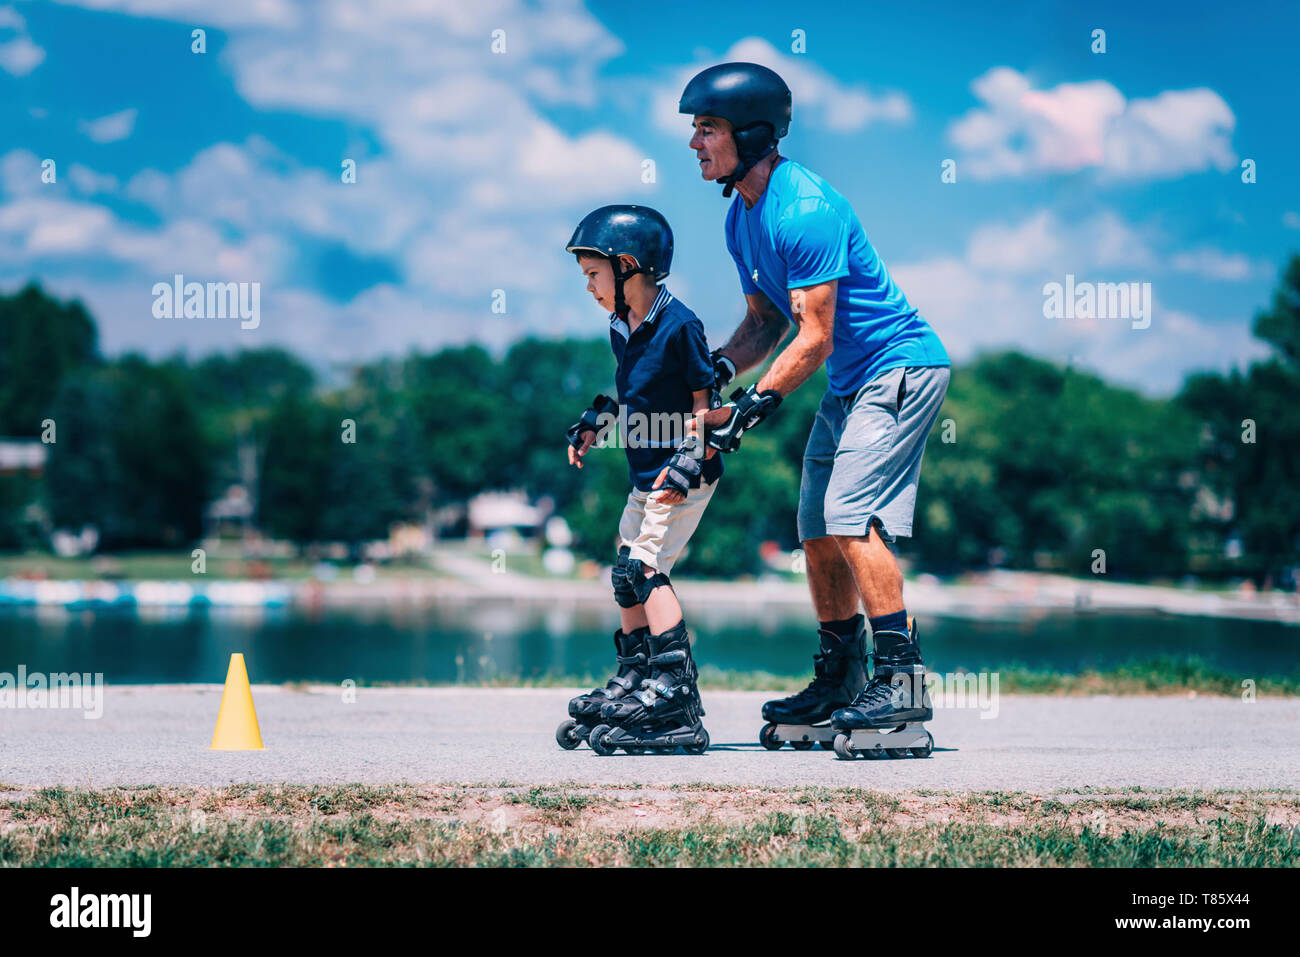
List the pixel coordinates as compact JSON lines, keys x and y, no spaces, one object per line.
{"x":803,"y":256}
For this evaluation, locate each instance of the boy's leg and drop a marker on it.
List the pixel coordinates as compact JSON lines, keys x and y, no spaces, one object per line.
{"x":664,"y":533}
{"x":631,"y":611}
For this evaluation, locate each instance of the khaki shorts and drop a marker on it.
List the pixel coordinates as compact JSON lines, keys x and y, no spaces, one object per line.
{"x":657,"y":533}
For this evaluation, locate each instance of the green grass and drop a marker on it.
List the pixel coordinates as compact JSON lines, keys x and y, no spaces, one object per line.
{"x":354,"y":825}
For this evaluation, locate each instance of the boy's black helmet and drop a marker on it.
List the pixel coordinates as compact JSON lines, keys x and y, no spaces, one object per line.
{"x":752,"y":98}
{"x":636,"y":231}
{"x":621,"y":230}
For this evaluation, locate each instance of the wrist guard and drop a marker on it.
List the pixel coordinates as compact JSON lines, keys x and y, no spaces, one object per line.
{"x":724,"y":370}
{"x":600,"y":406}
{"x":748,"y":408}
{"x":685,"y":466}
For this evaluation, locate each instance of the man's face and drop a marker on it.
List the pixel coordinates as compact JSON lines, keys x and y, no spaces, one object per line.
{"x":715,"y":147}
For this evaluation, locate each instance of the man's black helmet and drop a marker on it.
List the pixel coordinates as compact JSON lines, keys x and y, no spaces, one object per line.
{"x":636,"y":231}
{"x":752,"y":98}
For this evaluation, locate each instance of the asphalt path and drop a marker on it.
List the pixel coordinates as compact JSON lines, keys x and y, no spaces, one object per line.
{"x":159,"y":734}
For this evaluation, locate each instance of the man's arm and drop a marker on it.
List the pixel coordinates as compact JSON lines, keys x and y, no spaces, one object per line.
{"x":814,"y":310}
{"x":762,"y":329}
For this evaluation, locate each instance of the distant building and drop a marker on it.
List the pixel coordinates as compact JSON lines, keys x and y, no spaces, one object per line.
{"x":492,"y":512}
{"x":23,"y":456}
{"x":231,"y":515}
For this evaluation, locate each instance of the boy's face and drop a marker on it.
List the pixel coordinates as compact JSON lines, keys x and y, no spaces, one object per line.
{"x":714,"y":147}
{"x":600,"y":278}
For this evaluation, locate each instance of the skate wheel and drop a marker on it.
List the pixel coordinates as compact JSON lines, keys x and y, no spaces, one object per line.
{"x":599,"y":740}
{"x":843,"y":750}
{"x":926,"y":749}
{"x":827,"y":745}
{"x":634,"y":749}
{"x":802,"y":745}
{"x":566,"y":736}
{"x":768,"y":739}
{"x":896,"y":752}
{"x":701,"y":743}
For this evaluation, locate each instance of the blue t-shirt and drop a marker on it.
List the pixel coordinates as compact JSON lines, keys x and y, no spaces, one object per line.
{"x":660,"y":366}
{"x":801,"y":232}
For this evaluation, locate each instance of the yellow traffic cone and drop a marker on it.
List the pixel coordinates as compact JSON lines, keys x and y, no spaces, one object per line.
{"x":237,"y":721}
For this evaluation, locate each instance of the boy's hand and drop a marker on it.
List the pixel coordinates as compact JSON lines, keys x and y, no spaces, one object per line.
{"x":575,"y":455}
{"x":685,"y":466}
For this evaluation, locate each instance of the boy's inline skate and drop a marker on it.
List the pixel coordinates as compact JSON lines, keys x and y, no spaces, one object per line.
{"x":664,"y":714}
{"x":886,"y":718}
{"x":803,"y":719}
{"x":584,"y":710}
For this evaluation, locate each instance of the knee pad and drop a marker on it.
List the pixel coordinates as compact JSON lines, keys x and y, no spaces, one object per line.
{"x":621,"y":578}
{"x":644,"y":586}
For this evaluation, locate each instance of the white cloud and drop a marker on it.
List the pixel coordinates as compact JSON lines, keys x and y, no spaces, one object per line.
{"x":992,"y":298}
{"x":1019,"y":130}
{"x":1032,"y":244}
{"x":471,"y":187}
{"x":88,"y":182}
{"x":20,"y":56}
{"x":1216,"y":264}
{"x":11,"y":19}
{"x":818,"y":99}
{"x":111,"y":128}
{"x":1291,"y":219}
{"x":20,"y":173}
{"x":35,"y":226}
{"x":227,"y":14}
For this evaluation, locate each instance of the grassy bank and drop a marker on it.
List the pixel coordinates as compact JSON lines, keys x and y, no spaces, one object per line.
{"x":694,"y":825}
{"x":1161,"y":676}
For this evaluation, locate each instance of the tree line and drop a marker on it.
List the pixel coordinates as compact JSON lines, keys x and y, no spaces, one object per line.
{"x":1031,"y":465}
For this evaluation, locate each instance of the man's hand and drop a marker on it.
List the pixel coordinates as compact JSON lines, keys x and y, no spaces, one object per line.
{"x":722,"y":428}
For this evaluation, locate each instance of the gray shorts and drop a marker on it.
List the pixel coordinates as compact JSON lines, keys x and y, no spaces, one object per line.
{"x":863,"y":458}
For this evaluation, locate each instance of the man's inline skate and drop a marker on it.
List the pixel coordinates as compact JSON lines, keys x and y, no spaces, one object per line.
{"x":584,"y":710}
{"x":664,"y":714}
{"x":886,"y":718}
{"x":803,"y":719}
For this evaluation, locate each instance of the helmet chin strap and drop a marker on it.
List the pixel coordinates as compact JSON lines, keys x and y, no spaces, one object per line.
{"x":743,"y":166}
{"x":620,"y":304}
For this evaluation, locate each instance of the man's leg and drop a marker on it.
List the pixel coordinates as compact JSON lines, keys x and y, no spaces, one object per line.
{"x":872,"y":567}
{"x":838,"y":665}
{"x":833,"y":583}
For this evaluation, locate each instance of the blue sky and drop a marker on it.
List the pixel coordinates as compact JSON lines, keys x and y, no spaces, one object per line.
{"x":474,"y":166}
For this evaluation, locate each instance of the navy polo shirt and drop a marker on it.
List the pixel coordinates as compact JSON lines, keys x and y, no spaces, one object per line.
{"x":659,"y":366}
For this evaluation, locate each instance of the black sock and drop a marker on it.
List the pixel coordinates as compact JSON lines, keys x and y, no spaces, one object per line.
{"x":895,"y":622}
{"x":891,"y":636}
{"x":843,"y":628}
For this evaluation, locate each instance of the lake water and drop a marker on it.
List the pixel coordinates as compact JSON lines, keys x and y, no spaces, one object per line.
{"x":461,"y":643}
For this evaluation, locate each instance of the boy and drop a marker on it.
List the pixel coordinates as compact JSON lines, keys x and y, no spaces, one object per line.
{"x":665,"y":376}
